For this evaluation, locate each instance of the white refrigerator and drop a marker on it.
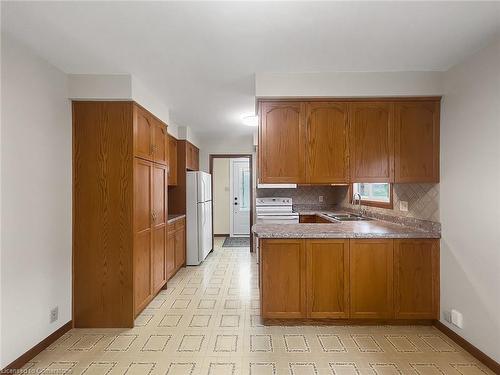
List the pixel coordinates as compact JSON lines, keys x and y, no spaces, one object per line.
{"x":198,"y":217}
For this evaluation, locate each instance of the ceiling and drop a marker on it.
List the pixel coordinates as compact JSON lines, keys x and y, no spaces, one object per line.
{"x":200,"y":58}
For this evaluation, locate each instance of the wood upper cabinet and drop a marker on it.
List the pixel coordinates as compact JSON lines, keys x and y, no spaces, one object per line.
{"x":371,"y":142}
{"x":283,"y":278}
{"x":337,"y":142}
{"x":416,"y":279}
{"x":327,"y":143}
{"x":150,"y":137}
{"x":160,"y":143}
{"x":371,"y":278}
{"x":172,"y":161}
{"x":327,"y":278}
{"x":143,"y":134}
{"x":192,"y":157}
{"x":143,"y":260}
{"x":282,"y":142}
{"x":159,"y":218}
{"x":417,"y":141}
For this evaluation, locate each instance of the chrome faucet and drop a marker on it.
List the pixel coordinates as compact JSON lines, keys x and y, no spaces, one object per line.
{"x":357,"y":196}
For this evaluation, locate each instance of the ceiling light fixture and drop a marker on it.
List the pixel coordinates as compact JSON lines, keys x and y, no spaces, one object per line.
{"x":250,"y":120}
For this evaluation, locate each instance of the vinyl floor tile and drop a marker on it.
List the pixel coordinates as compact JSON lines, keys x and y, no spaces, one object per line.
{"x":207,"y":321}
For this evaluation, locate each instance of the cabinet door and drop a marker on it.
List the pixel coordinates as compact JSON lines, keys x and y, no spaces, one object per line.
{"x":189,"y":156}
{"x":371,"y":278}
{"x":159,"y":216}
{"x":417,"y":141}
{"x":170,"y":254}
{"x":160,"y":143}
{"x":416,"y":279}
{"x":143,"y":179}
{"x":196,"y":158}
{"x":143,"y":134}
{"x":172,"y":161}
{"x":328,"y":278}
{"x":282,"y":142}
{"x":180,"y":248}
{"x":283,"y":283}
{"x":371,"y":142}
{"x":327,"y":143}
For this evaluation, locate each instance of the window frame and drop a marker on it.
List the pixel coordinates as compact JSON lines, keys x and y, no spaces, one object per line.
{"x":370,"y":203}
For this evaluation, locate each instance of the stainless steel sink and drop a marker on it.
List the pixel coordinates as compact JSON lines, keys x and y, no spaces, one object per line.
{"x":349,"y":217}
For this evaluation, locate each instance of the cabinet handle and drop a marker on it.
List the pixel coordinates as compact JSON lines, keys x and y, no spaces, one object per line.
{"x":152,"y":149}
{"x":153,"y":216}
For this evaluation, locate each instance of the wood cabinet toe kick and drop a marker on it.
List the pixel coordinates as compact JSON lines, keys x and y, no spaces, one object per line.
{"x":342,"y":281}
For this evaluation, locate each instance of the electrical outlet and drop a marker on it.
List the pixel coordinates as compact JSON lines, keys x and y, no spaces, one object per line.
{"x":54,"y":314}
{"x":403,"y":205}
{"x":457,"y":318}
{"x":320,"y":199}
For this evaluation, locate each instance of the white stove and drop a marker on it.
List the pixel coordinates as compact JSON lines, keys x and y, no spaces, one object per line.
{"x":275,"y":211}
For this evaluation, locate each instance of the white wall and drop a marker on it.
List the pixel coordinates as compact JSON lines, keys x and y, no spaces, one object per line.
{"x":221,"y":196}
{"x":186,"y":133}
{"x":348,"y":84}
{"x":470,"y":208}
{"x":118,"y":87}
{"x":100,"y":86}
{"x":227,"y":145}
{"x":36,"y":199}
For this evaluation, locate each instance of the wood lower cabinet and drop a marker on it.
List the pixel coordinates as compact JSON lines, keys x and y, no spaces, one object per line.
{"x":176,"y":257}
{"x":417,"y":141}
{"x":416,"y":279}
{"x":371,"y":142}
{"x":119,"y":216}
{"x":327,"y":143}
{"x":170,"y":259}
{"x":283,"y":278}
{"x":371,"y":275}
{"x":358,"y":279}
{"x":281,"y":142}
{"x":172,"y":161}
{"x":327,"y":278}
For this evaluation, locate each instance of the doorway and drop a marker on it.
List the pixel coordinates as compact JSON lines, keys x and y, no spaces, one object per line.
{"x":232,"y":198}
{"x":240,"y":207}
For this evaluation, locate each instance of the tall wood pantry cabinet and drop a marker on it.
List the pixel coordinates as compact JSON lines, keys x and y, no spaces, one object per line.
{"x":120,"y":169}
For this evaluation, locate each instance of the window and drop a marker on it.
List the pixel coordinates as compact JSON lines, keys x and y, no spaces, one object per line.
{"x":374,"y":194}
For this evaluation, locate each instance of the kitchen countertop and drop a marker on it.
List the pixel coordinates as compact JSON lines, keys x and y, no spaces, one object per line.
{"x":346,"y":229}
{"x":174,"y":217}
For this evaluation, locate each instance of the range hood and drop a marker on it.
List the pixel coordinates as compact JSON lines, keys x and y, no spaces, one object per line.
{"x":276,"y":186}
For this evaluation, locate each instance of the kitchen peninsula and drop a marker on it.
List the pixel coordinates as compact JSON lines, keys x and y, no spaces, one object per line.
{"x":360,"y":271}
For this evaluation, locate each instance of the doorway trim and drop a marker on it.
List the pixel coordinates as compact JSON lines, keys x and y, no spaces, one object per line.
{"x":211,"y":158}
{"x":231,"y":194}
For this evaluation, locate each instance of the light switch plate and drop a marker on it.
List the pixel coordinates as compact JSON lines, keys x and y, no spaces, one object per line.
{"x":320,"y":199}
{"x":403,"y":206}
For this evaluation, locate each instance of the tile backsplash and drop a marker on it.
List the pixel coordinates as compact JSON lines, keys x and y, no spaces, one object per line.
{"x":423,"y":199}
{"x":306,"y":195}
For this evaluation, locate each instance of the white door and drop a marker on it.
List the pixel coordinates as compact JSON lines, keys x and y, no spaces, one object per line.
{"x":240,"y":197}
